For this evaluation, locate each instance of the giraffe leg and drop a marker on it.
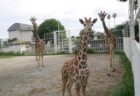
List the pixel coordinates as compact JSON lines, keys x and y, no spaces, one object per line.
{"x":64,"y":82}
{"x":110,"y":61}
{"x":113,"y":57}
{"x":42,"y":59}
{"x":84,"y":84}
{"x":69,"y":85}
{"x":78,"y":87}
{"x":37,"y":59}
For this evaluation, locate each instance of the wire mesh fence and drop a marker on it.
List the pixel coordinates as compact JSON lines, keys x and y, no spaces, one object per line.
{"x":63,"y":42}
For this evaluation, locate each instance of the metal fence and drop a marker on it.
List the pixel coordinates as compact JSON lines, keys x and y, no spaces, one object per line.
{"x":62,"y":42}
{"x":58,"y":42}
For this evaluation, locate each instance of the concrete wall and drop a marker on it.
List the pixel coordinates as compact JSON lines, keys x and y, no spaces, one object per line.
{"x":132,"y":50}
{"x":21,"y":35}
{"x":26,"y":35}
{"x":127,"y":47}
{"x":14,"y":34}
{"x":136,"y":66}
{"x":16,"y":48}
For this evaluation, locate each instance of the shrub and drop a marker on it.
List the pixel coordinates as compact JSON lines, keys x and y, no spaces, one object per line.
{"x":10,"y":54}
{"x":89,"y":50}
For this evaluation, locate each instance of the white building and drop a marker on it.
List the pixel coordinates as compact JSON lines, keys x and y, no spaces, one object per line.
{"x":22,"y":32}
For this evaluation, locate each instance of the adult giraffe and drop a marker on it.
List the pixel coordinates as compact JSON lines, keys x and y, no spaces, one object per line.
{"x":39,"y":44}
{"x":77,"y":69}
{"x":110,"y":40}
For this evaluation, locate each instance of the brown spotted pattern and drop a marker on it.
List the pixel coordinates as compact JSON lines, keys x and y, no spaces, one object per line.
{"x":110,"y":40}
{"x":39,"y":44}
{"x":76,"y":70}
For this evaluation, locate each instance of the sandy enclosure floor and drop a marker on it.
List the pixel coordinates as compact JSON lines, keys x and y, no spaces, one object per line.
{"x":19,"y":76}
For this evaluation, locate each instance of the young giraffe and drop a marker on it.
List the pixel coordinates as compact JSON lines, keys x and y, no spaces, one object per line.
{"x":110,"y":40}
{"x":76,"y":69}
{"x":39,"y":44}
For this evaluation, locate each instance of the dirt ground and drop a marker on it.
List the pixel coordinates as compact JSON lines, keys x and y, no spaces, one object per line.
{"x":19,"y":76}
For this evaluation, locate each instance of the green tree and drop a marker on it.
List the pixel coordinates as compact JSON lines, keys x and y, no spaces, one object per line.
{"x":114,"y":16}
{"x":136,"y":30}
{"x":100,"y":35}
{"x":0,"y":44}
{"x":49,"y":26}
{"x":117,"y":30}
{"x":91,"y":34}
{"x":109,"y":17}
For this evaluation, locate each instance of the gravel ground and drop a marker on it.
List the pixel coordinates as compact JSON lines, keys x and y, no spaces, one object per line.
{"x":19,"y":76}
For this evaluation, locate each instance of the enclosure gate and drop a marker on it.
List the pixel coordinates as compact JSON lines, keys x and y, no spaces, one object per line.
{"x":58,"y":42}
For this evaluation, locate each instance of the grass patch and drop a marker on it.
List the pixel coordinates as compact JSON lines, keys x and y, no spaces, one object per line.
{"x":9,"y":54}
{"x":2,"y":57}
{"x":126,"y":87}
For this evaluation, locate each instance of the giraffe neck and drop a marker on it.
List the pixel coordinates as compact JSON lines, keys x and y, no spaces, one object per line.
{"x":105,"y":28}
{"x":37,"y":38}
{"x":83,"y":45}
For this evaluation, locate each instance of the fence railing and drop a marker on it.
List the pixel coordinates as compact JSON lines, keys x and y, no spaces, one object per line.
{"x":99,"y":45}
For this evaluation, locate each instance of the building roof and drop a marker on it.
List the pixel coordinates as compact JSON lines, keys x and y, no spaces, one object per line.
{"x":20,"y":27}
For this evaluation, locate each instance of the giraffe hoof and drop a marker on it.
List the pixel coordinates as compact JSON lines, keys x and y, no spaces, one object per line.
{"x":113,"y":70}
{"x":84,"y":94}
{"x":43,"y":65}
{"x":39,"y":68}
{"x":108,"y":74}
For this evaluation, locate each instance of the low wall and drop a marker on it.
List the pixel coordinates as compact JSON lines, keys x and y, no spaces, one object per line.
{"x":132,"y":51}
{"x":16,"y":48}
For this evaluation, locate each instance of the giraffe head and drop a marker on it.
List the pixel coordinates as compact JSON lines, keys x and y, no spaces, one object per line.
{"x":88,"y":23}
{"x":102,"y":15}
{"x":33,"y":20}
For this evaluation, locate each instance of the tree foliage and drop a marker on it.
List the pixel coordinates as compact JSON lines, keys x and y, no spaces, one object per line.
{"x":136,"y":30}
{"x":100,"y":35}
{"x":91,"y":34}
{"x":108,"y":16}
{"x":118,"y":29}
{"x":48,"y":26}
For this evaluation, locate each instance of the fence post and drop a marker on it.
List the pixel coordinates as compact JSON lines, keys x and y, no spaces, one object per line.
{"x":55,"y":41}
{"x":70,"y":42}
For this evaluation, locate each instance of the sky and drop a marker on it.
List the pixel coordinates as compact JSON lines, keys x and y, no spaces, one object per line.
{"x":67,"y":12}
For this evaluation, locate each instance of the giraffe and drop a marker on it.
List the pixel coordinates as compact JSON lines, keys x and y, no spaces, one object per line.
{"x":76,"y":70}
{"x":110,"y":40}
{"x":39,"y":44}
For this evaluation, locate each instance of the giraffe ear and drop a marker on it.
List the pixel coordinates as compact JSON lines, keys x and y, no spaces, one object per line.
{"x":81,"y":21}
{"x":94,"y":20}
